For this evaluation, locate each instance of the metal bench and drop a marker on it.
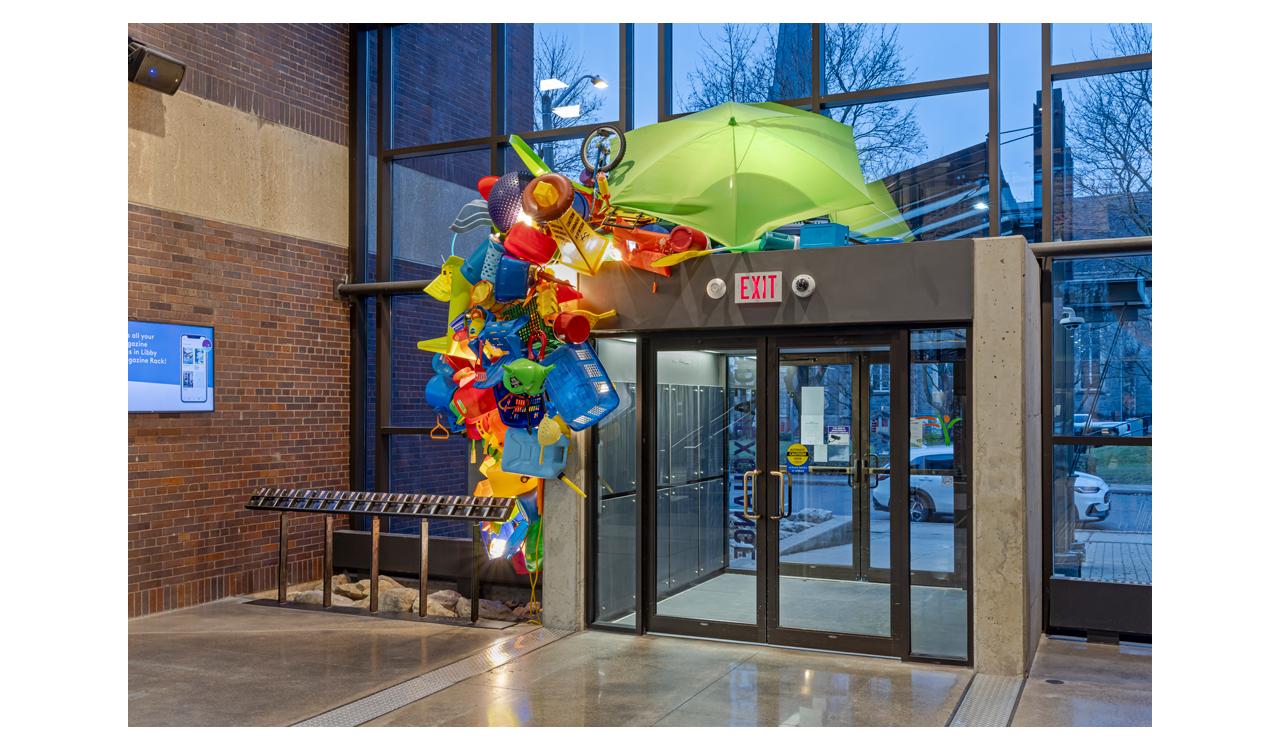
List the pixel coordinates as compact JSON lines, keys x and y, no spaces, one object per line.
{"x":378,"y":505}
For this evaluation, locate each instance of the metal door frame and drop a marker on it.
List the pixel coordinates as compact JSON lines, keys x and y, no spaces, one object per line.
{"x":898,"y":641}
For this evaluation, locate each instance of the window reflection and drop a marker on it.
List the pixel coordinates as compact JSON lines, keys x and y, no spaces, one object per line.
{"x":740,"y":62}
{"x":1102,"y":513}
{"x":1102,"y":347}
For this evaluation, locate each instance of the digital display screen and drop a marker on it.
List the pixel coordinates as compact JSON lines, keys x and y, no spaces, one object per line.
{"x":170,"y":367}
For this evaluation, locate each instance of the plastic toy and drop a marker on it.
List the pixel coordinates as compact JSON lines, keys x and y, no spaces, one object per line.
{"x":523,"y":454}
{"x":578,"y":386}
{"x":525,"y":376}
{"x":504,"y":198}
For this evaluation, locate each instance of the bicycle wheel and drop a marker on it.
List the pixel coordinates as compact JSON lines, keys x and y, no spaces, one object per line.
{"x":606,"y":138}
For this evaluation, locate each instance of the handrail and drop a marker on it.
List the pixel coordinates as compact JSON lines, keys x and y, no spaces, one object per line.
{"x":1091,"y":248}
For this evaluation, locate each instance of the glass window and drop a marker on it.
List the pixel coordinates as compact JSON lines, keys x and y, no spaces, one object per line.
{"x":439,"y":83}
{"x":930,"y":155}
{"x":714,"y":63}
{"x":371,"y":164}
{"x":1102,"y":513}
{"x":575,"y":74}
{"x":1103,"y":171}
{"x":414,"y":318}
{"x":1019,"y":129}
{"x":562,"y":156}
{"x":421,"y":464}
{"x":1075,"y":42}
{"x":862,"y":56}
{"x":615,"y":497}
{"x":427,"y":195}
{"x":939,"y":494}
{"x":1102,"y":347}
{"x":644,"y":74}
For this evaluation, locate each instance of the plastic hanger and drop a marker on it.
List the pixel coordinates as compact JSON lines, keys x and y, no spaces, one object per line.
{"x":444,"y":431}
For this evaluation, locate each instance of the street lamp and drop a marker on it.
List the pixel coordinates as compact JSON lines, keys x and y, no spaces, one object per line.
{"x":558,"y":107}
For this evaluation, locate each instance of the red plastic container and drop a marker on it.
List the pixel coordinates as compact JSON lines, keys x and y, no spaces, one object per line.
{"x":572,"y":327}
{"x":528,"y":244}
{"x":686,"y":238}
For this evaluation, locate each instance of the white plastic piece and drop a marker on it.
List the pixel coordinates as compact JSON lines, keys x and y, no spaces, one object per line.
{"x":716,"y":288}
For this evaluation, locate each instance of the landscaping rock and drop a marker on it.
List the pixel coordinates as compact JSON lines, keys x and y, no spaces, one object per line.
{"x":436,"y":609}
{"x":447,"y":598}
{"x":397,"y":599}
{"x":316,"y":596}
{"x":352,"y":590}
{"x":489,"y":610}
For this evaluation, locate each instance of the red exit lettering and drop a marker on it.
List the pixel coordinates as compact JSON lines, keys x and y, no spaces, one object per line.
{"x":758,"y":287}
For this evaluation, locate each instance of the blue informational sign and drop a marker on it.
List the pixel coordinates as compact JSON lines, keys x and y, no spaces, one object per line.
{"x":170,"y":367}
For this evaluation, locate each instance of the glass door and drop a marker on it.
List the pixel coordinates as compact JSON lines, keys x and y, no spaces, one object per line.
{"x":767,"y":510}
{"x":706,"y":553}
{"x":830,"y":583}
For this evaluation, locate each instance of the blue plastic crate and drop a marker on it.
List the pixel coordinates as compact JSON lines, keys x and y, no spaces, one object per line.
{"x":824,"y":235}
{"x":578,"y":386}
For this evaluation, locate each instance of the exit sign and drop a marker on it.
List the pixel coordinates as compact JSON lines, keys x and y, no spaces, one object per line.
{"x":757,"y":287}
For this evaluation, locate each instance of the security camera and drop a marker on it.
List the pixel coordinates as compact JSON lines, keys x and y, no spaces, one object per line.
{"x":803,"y":285}
{"x":1070,"y":320}
{"x":155,"y":70}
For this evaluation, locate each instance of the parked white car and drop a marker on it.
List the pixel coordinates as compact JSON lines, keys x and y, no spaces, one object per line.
{"x":935,"y":493}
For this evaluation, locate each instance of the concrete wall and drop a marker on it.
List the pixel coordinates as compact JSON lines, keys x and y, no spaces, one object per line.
{"x":1006,"y":456}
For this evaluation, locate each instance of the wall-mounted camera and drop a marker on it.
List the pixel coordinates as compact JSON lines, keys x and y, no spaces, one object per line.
{"x":803,"y":285}
{"x":1070,"y":320}
{"x":153,"y":69}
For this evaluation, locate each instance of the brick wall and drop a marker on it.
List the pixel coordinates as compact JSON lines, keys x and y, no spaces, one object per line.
{"x":281,"y":413}
{"x":294,"y":74}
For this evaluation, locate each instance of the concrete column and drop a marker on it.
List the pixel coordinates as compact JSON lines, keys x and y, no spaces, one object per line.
{"x":564,"y":517}
{"x":1006,"y":456}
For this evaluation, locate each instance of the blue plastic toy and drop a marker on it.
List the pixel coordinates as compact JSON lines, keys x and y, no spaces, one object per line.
{"x":512,"y":279}
{"x":578,"y":386}
{"x":522,"y":454}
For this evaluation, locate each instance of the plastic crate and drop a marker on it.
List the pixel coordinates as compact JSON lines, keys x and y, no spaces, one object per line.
{"x":824,"y":235}
{"x":578,"y":386}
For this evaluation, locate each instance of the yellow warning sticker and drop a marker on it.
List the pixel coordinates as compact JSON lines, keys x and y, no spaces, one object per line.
{"x":797,"y":454}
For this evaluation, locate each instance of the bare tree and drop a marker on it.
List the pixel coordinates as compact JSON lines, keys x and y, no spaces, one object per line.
{"x":555,"y":57}
{"x":861,"y":56}
{"x":1108,"y":120}
{"x":743,"y":62}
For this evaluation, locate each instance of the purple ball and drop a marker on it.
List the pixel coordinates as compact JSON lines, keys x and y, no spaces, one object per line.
{"x":504,"y":198}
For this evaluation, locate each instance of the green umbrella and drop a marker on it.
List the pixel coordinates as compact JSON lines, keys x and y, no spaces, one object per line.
{"x":737,"y":171}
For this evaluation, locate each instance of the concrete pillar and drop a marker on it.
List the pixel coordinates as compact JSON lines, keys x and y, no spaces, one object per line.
{"x":564,"y":518}
{"x":1006,"y":456}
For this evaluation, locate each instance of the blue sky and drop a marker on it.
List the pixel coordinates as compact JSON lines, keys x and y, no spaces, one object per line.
{"x":930,"y":51}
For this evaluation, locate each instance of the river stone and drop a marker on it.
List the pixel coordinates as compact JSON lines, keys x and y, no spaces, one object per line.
{"x":397,"y":599}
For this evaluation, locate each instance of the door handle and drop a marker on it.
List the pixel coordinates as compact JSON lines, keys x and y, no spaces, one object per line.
{"x":748,"y":499}
{"x":784,"y":493}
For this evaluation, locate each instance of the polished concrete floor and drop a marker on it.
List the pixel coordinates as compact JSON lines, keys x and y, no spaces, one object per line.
{"x":938,"y":615}
{"x":1078,"y":684}
{"x":231,"y":663}
{"x":595,"y":678}
{"x":235,"y":663}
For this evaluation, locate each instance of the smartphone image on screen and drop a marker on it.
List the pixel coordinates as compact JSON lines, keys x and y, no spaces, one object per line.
{"x":195,"y":364}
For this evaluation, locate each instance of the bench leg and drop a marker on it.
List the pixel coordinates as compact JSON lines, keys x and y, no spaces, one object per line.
{"x":282,"y":575}
{"x":422,"y":571}
{"x":477,"y":556}
{"x":376,"y":527}
{"x":328,"y":561}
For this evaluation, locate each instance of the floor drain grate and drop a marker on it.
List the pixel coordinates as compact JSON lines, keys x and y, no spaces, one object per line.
{"x":385,"y":701}
{"x":989,"y":702}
